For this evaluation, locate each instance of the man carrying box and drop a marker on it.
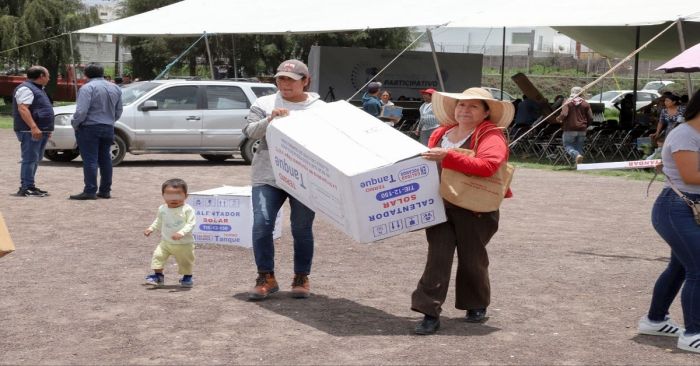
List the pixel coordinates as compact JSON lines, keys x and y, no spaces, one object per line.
{"x":292,"y":80}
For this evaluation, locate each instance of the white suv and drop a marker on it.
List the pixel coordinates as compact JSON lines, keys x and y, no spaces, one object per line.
{"x":173,"y":116}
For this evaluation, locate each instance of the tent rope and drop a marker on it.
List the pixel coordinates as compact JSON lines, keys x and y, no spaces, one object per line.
{"x":177,"y":59}
{"x":594,"y":82}
{"x":33,"y":43}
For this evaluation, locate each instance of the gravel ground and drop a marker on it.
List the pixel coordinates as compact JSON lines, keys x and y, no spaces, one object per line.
{"x":572,"y":269}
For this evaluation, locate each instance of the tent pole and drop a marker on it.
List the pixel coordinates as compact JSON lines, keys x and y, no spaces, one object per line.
{"x":72,"y":61}
{"x":116,"y":57}
{"x":437,"y":65}
{"x":503,"y":61}
{"x":635,"y":85}
{"x":211,"y":63}
{"x":233,"y":45}
{"x":681,"y":39}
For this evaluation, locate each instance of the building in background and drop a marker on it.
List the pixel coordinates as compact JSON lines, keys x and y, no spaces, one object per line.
{"x":536,"y":42}
{"x":101,"y":48}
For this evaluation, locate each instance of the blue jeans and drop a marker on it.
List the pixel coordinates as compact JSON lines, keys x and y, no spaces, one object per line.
{"x":95,"y":143}
{"x":573,"y":142}
{"x":673,"y":220}
{"x":32,"y":153}
{"x":267,"y":201}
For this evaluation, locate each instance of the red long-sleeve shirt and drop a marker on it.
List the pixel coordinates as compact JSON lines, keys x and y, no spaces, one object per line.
{"x":491,"y":152}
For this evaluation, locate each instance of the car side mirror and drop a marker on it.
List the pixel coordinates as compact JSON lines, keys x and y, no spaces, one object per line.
{"x":149,"y":105}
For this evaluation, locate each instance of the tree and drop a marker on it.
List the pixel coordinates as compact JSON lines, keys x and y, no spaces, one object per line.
{"x":150,"y":55}
{"x":24,"y":22}
{"x":254,"y":54}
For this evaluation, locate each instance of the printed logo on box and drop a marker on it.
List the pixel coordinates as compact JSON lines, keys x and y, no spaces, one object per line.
{"x":377,"y":183}
{"x":293,"y":175}
{"x":396,"y":225}
{"x":405,"y":207}
{"x":379,"y":230}
{"x":210,"y":227}
{"x":427,"y":217}
{"x":411,"y":221}
{"x":398,"y":191}
{"x":413,"y":173}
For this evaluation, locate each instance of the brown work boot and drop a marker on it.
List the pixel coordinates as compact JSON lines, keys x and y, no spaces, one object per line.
{"x":300,"y":286}
{"x":265,"y":285}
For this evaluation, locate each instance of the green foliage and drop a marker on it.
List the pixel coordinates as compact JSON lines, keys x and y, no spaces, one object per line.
{"x":23,"y":22}
{"x":150,"y":55}
{"x":253,"y":55}
{"x":6,"y":122}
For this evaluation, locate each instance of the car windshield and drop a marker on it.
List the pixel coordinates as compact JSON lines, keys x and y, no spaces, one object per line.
{"x":605,"y":97}
{"x":132,"y":92}
{"x":263,"y":91}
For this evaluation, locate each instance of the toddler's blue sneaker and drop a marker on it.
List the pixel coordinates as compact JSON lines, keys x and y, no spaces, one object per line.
{"x":155,"y":280}
{"x":186,"y":281}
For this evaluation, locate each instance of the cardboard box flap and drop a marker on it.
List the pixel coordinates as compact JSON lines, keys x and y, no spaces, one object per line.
{"x":226,"y":190}
{"x":350,"y":140}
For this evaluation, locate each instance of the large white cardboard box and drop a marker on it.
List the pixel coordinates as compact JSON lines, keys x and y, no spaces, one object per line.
{"x":354,"y":170}
{"x":225,"y":216}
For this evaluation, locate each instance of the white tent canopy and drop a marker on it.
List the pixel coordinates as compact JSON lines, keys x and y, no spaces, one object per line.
{"x":194,"y":17}
{"x":605,"y":26}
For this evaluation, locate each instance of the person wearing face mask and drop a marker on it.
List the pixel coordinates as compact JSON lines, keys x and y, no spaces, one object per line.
{"x":292,"y":80}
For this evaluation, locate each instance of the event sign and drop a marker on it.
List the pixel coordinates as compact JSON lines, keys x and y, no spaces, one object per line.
{"x":340,"y":71}
{"x":352,"y":169}
{"x":634,"y":164}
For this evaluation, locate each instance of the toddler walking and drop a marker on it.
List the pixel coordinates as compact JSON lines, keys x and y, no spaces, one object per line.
{"x":175,"y":220}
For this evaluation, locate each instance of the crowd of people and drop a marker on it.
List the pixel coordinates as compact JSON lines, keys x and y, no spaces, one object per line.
{"x":464,"y":133}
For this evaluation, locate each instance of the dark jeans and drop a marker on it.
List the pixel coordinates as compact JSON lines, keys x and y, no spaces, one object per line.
{"x":469,"y":233}
{"x":95,"y":143}
{"x":673,"y":220}
{"x":32,"y":153}
{"x":267,"y":201}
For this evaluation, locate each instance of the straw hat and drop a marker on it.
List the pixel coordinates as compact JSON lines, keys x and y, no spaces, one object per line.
{"x":500,"y":112}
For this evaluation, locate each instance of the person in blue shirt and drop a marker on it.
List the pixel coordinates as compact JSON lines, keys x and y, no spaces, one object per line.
{"x":98,"y":108}
{"x":370,"y":100}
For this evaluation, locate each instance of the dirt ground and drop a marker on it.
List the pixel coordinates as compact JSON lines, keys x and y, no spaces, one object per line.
{"x":572,"y":268}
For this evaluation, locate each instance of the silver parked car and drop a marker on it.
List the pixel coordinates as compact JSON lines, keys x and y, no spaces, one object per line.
{"x":173,"y":116}
{"x":609,"y":98}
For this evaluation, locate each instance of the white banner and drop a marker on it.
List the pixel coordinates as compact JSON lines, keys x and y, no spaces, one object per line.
{"x":634,"y":164}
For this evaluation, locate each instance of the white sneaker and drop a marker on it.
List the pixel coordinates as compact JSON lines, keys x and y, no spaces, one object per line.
{"x":665,"y":328}
{"x":689,"y":342}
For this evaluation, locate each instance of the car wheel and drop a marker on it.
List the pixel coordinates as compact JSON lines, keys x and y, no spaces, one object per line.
{"x":62,"y":156}
{"x":249,"y":149}
{"x":216,"y":158}
{"x":118,"y":150}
